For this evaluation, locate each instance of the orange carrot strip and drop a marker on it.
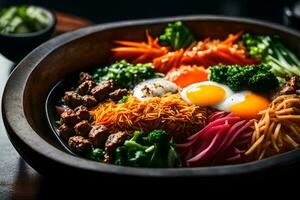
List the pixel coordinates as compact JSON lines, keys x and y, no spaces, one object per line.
{"x":232,"y":38}
{"x":131,"y":44}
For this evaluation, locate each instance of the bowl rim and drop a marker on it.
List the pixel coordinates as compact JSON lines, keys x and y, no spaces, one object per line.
{"x":16,"y":122}
{"x":49,"y":27}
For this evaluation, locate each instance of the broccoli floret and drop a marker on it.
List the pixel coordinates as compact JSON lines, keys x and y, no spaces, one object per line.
{"x":138,"y":158}
{"x":125,"y":74}
{"x":154,"y":150}
{"x":252,"y":77}
{"x":121,"y":156}
{"x":176,"y":35}
{"x":96,"y":154}
{"x":158,"y":137}
{"x":164,"y":153}
{"x":263,"y":82}
{"x":218,"y":74}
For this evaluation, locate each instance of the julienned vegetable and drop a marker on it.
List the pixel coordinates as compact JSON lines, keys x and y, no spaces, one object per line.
{"x":22,"y":19}
{"x":273,"y":54}
{"x":125,"y":74}
{"x":252,"y":77}
{"x":154,"y":150}
{"x":223,"y":140}
{"x":176,"y":35}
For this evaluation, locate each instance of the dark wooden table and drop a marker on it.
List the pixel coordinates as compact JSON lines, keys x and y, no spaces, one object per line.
{"x":15,"y":175}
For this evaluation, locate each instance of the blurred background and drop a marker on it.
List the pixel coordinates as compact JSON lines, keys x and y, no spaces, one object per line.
{"x":112,"y":10}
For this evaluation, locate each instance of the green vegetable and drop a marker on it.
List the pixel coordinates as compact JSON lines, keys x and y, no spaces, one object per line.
{"x":274,"y":55}
{"x":22,"y":19}
{"x":58,"y":122}
{"x":125,"y":74}
{"x":96,"y":154}
{"x":154,"y":150}
{"x":255,"y":78}
{"x":123,"y":99}
{"x":176,"y":35}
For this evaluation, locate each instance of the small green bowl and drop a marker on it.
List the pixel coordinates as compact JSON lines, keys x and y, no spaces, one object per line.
{"x":16,"y":46}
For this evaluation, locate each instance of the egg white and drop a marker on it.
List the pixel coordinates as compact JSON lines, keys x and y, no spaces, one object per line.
{"x":153,"y":88}
{"x":232,"y":100}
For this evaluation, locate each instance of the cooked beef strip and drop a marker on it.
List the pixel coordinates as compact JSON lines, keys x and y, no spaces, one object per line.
{"x":82,"y":112}
{"x":98,"y":135}
{"x":85,"y":87}
{"x":83,"y":76}
{"x":118,"y":94}
{"x":79,"y":144}
{"x":290,"y":87}
{"x":112,"y":142}
{"x":72,"y":99}
{"x":89,"y":101}
{"x":101,"y":91}
{"x":83,"y":128}
{"x":69,"y":117}
{"x":65,"y":132}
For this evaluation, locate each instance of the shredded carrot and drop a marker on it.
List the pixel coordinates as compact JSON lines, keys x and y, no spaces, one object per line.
{"x":139,"y":52}
{"x":204,"y":53}
{"x":233,"y":38}
{"x":166,"y":62}
{"x":168,"y":112}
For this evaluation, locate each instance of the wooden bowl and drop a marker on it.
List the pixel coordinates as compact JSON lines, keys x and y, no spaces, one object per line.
{"x":28,"y":86}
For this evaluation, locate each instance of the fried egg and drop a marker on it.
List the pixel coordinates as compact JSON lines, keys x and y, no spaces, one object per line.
{"x":206,"y":93}
{"x":154,"y":88}
{"x":244,"y":104}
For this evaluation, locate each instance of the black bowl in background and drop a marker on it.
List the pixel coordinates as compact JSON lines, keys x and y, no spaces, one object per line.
{"x":25,"y":94}
{"x":17,"y":46}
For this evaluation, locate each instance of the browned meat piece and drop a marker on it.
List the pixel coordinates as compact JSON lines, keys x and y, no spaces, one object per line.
{"x":82,"y":112}
{"x":65,"y":132}
{"x":85,"y":87}
{"x":98,"y":135}
{"x":118,"y":94}
{"x":84,"y":77}
{"x":82,"y":128}
{"x":79,"y":144}
{"x":69,"y":117}
{"x":89,"y":101}
{"x":112,"y":142}
{"x":72,"y":99}
{"x":101,"y":91}
{"x":291,"y":86}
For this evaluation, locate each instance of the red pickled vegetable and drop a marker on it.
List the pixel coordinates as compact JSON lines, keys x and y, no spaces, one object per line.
{"x":223,"y":141}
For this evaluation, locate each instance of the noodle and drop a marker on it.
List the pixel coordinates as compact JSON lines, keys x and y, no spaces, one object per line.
{"x":168,"y":112}
{"x":278,"y":129}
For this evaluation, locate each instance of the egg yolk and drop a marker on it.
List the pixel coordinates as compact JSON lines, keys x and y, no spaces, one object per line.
{"x":250,"y":107}
{"x":206,"y":95}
